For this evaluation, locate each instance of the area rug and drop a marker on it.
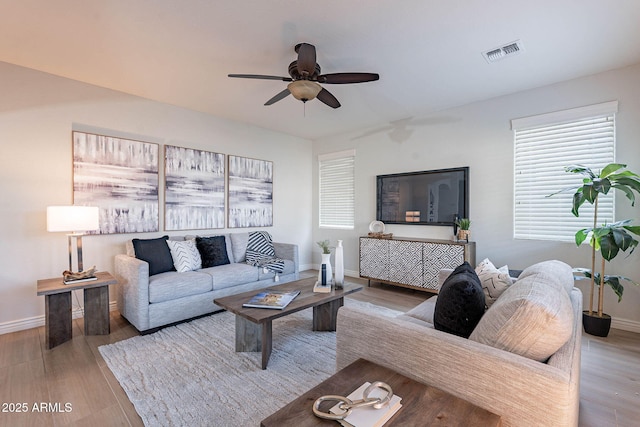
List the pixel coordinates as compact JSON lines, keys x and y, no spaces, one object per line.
{"x":190,"y":374}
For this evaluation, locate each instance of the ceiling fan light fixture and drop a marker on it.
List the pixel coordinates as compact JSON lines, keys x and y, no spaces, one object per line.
{"x":304,"y":90}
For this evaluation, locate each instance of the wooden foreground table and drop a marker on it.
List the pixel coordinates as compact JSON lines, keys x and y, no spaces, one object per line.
{"x":422,"y":405}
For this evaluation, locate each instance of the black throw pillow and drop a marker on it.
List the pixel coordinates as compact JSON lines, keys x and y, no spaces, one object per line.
{"x":213,"y":251}
{"x":460,"y":303}
{"x":156,"y":252}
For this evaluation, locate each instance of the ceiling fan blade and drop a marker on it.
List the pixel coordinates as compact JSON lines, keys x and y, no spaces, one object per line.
{"x":278,"y":97}
{"x":326,"y":97}
{"x":344,"y":78}
{"x":306,"y":59}
{"x":261,"y":77}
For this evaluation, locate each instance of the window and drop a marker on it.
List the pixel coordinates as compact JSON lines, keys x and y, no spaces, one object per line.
{"x":544,"y":146}
{"x":337,"y":189}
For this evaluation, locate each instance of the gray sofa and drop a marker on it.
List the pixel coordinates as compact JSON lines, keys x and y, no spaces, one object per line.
{"x":149,"y":302}
{"x":495,"y":368}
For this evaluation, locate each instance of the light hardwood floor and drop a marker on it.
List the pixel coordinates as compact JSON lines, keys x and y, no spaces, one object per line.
{"x":75,"y":373}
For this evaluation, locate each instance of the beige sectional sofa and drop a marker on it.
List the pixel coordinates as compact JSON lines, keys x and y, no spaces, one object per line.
{"x":496,"y":367}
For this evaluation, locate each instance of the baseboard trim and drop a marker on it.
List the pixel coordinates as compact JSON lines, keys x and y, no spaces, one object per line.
{"x":37,"y":321}
{"x":625,"y":325}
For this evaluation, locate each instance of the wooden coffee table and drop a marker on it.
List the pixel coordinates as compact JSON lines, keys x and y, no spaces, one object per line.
{"x":253,"y":325}
{"x":422,"y":405}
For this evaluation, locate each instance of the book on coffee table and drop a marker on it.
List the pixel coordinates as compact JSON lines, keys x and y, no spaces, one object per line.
{"x":271,"y":299}
{"x":368,"y":416}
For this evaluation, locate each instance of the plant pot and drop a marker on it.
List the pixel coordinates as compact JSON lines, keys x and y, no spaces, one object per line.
{"x":594,"y":325}
{"x":464,"y":234}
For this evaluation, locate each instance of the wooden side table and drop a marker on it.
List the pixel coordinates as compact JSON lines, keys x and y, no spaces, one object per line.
{"x":58,"y":307}
{"x":422,"y":405}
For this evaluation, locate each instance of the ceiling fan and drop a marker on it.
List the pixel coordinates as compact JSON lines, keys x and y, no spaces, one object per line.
{"x":305,"y":78}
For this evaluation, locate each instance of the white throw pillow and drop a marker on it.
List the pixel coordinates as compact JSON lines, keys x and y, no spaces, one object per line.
{"x":185,"y":255}
{"x":494,"y":281}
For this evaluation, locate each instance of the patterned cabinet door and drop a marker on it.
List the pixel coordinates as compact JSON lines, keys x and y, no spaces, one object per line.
{"x":438,"y":256}
{"x":405,"y":263}
{"x":374,"y":258}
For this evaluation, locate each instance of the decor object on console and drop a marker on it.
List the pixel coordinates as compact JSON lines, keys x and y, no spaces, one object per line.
{"x":120,"y":176}
{"x":77,"y":220}
{"x":523,"y":356}
{"x":411,"y":262}
{"x":194,"y":189}
{"x":463,"y":232}
{"x":250,"y":192}
{"x":609,"y":239}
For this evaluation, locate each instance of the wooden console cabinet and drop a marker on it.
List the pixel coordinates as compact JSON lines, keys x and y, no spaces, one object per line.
{"x":412,"y":263}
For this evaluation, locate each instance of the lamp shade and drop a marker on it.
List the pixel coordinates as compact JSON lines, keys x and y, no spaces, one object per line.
{"x":72,"y":218}
{"x":304,"y":90}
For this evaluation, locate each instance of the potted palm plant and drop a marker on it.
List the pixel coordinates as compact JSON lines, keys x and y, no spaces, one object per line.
{"x":609,"y":239}
{"x":464,"y":224}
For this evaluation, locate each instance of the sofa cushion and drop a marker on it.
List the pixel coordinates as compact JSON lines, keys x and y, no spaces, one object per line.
{"x":494,"y":281}
{"x":532,"y":318}
{"x":239,"y":243}
{"x":172,"y":285}
{"x":213,"y":251}
{"x":460,"y":303}
{"x":424,"y":310}
{"x":228,"y":275}
{"x":553,"y":271}
{"x":185,"y":254}
{"x":155,"y":252}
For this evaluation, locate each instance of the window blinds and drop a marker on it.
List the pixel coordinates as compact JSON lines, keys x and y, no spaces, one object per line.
{"x":541,"y":153}
{"x":337,"y":189}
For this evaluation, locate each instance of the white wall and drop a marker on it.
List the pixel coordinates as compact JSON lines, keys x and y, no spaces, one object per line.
{"x":479,"y":136}
{"x":38,"y":111}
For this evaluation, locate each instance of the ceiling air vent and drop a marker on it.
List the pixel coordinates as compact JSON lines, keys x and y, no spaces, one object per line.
{"x":502,"y":52}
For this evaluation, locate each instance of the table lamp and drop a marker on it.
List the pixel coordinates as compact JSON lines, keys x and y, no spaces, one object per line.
{"x":76,"y":220}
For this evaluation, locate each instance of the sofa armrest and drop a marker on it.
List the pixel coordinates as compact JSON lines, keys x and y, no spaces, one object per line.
{"x":522,"y":391}
{"x":288,"y":251}
{"x":133,"y":290}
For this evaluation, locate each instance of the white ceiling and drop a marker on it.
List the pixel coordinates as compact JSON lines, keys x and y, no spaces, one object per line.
{"x":427,"y":52}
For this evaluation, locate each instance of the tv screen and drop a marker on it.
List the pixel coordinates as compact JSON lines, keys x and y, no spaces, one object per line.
{"x":435,"y":197}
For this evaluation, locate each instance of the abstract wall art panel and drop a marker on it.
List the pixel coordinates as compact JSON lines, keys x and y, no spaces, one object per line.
{"x":194,"y":189}
{"x":250,"y":192}
{"x":120,"y":176}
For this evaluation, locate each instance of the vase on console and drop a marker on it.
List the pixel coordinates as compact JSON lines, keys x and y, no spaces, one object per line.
{"x":339,"y":279}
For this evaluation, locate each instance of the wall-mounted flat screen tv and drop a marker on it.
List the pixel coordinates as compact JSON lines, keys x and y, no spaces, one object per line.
{"x":435,"y":197}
